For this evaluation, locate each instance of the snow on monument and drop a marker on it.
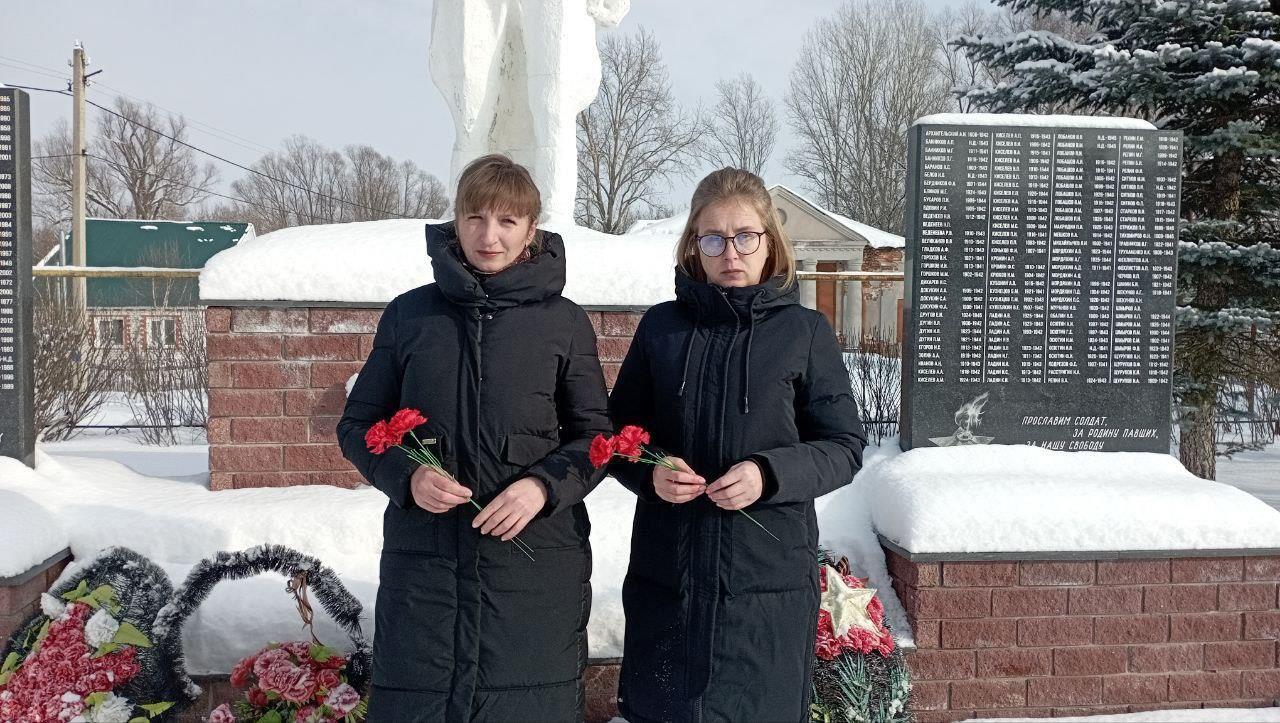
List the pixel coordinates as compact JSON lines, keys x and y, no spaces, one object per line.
{"x":515,"y":76}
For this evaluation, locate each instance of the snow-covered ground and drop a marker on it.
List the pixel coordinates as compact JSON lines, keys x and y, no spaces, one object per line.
{"x":106,"y":489}
{"x":1193,"y":715}
{"x":1257,"y":473}
{"x":103,"y":500}
{"x":187,"y":461}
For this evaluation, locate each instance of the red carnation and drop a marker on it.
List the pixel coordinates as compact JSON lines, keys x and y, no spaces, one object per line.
{"x":601,"y":451}
{"x":403,"y":421}
{"x":629,"y":440}
{"x":378,"y":438}
{"x":258,"y":698}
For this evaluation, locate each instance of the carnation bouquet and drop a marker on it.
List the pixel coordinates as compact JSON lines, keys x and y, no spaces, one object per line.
{"x":631,"y":444}
{"x":74,"y":665}
{"x":293,"y":682}
{"x":386,"y":434}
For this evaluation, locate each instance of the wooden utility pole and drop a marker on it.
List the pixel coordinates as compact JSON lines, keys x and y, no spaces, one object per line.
{"x":79,"y":172}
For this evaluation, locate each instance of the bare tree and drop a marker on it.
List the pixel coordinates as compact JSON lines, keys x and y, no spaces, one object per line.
{"x":422,"y":194}
{"x":862,"y":77}
{"x":632,"y":137}
{"x":44,"y":237}
{"x":138,"y":167}
{"x":301,"y":184}
{"x":381,"y":188}
{"x":742,"y":129}
{"x":72,"y":370}
{"x":875,"y":373}
{"x":308,"y":183}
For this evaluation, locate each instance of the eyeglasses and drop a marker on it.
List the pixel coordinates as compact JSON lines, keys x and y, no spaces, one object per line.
{"x":746,"y":242}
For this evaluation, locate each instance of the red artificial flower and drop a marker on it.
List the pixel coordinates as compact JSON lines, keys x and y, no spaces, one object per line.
{"x":328,"y":679}
{"x":258,"y":698}
{"x":629,"y":441}
{"x":601,"y":451}
{"x":403,"y":421}
{"x":62,"y":664}
{"x":378,"y":438}
{"x":240,"y":674}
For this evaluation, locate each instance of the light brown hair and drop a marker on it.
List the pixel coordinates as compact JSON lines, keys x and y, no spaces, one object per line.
{"x":740,"y":185}
{"x":497,"y":183}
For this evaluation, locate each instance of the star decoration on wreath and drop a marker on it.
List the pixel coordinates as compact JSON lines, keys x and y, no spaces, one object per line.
{"x":847,"y":605}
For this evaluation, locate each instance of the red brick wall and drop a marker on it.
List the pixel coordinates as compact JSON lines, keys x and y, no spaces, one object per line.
{"x":1038,"y":638}
{"x":874,"y":259}
{"x":19,"y":601}
{"x":277,"y":381}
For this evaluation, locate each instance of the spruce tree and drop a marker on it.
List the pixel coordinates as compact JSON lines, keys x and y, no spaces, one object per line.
{"x":1211,"y":69}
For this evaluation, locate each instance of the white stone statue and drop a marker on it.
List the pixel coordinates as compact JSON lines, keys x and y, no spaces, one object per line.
{"x":515,"y":74}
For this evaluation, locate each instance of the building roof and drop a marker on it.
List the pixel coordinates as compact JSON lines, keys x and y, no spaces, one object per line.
{"x":164,"y":244}
{"x":873,"y":236}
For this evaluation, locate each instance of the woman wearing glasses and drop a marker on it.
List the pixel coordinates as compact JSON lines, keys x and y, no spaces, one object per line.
{"x":747,"y":393}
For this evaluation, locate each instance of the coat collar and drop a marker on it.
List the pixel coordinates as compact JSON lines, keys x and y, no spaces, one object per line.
{"x":541,"y":277}
{"x":708,"y":300}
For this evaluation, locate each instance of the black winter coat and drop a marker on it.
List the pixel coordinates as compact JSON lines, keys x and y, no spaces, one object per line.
{"x":505,"y":369}
{"x":721,"y":617}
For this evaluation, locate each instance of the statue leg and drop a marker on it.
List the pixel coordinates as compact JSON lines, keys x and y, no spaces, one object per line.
{"x":465,"y":61}
{"x":563,"y":78}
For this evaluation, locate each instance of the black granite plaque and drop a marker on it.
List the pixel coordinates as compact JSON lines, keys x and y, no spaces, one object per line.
{"x":17,"y":354}
{"x":1040,"y":273}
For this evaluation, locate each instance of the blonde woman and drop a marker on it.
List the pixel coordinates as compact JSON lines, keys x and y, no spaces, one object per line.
{"x":505,"y":369}
{"x":747,"y":393}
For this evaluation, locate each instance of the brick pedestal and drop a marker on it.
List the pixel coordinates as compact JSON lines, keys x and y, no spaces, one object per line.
{"x":1055,"y":637}
{"x":20,"y":594}
{"x":277,"y":386}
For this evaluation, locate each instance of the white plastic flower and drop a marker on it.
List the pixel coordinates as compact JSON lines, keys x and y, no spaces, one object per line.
{"x":112,"y":709}
{"x":51,"y":606}
{"x":100,"y":629}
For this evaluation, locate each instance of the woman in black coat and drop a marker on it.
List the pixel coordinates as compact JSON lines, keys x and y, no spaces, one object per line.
{"x":505,"y":369}
{"x":747,"y":392}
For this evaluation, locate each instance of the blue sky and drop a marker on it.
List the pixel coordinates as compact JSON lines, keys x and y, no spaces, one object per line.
{"x":348,"y":72}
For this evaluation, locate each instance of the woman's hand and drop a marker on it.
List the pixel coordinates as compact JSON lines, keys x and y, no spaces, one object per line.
{"x":738,"y":488}
{"x":436,"y":492}
{"x":513,"y":508}
{"x":677,"y":487}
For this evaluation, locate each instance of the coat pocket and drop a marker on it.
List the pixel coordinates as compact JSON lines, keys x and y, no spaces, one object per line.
{"x":524,"y":450}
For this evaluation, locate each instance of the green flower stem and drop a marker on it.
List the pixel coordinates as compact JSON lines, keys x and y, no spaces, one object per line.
{"x":654,"y":459}
{"x":426,"y":458}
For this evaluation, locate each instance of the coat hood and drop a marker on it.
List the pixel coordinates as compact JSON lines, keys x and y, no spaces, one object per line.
{"x":708,"y":300}
{"x":745,"y":303}
{"x":531,"y":281}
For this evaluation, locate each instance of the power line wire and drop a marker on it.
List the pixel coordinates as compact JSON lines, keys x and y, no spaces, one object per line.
{"x":212,"y":130}
{"x":220,"y":158}
{"x":242,"y":166}
{"x":34,"y":72}
{"x":30,"y":64}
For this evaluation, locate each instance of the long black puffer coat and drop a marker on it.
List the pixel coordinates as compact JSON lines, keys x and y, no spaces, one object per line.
{"x":506,"y":371}
{"x":721,"y":617}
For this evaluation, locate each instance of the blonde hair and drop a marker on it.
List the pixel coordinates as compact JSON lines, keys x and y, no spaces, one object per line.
{"x":740,"y":185}
{"x":497,"y":183}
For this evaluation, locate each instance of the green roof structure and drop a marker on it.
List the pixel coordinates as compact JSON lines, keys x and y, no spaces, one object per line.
{"x":166,"y":244}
